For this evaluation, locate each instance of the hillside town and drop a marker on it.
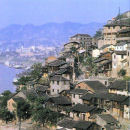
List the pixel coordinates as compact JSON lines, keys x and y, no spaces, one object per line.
{"x":86,"y":87}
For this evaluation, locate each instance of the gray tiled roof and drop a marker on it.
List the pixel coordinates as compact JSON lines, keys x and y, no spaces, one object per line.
{"x":60,"y":100}
{"x":57,"y":63}
{"x":118,"y":85}
{"x":108,"y":118}
{"x":82,"y":108}
{"x":97,"y":86}
{"x":120,"y":52}
{"x":105,"y":96}
{"x":78,"y":91}
{"x":58,"y":78}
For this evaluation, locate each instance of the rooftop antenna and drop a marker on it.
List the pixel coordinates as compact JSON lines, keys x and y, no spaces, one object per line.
{"x":119,"y":14}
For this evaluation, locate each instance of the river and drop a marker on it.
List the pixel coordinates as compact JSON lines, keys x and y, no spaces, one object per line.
{"x":6,"y":78}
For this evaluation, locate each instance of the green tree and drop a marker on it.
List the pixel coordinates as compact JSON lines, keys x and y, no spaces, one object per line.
{"x":23,"y":111}
{"x":22,"y":80}
{"x":90,"y":65}
{"x":5,"y":97}
{"x":36,"y":72}
{"x":6,"y":115}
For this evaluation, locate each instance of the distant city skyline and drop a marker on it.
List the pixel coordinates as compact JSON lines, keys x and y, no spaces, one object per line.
{"x":39,"y":12}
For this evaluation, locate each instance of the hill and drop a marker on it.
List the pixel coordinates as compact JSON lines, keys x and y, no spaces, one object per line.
{"x":51,"y":34}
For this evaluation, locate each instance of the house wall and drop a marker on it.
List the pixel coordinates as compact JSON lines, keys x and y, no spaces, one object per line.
{"x":75,"y":98}
{"x":126,"y":112}
{"x":95,"y":53}
{"x":67,"y":76}
{"x":110,"y":34}
{"x":81,"y":39}
{"x":56,"y":88}
{"x":116,"y":64}
{"x":118,"y":92}
{"x":68,"y":46}
{"x":121,"y":48}
{"x":10,"y":105}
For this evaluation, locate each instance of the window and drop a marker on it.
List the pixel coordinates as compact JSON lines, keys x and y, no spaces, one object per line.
{"x":105,"y":82}
{"x":122,"y":56}
{"x":114,"y":56}
{"x":52,"y":90}
{"x":73,"y":95}
{"x":58,"y":82}
{"x":128,"y":54}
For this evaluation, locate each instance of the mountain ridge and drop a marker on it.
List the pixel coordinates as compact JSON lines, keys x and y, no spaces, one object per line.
{"x":49,"y":34}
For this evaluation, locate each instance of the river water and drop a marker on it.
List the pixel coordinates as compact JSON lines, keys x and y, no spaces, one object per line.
{"x":6,"y":78}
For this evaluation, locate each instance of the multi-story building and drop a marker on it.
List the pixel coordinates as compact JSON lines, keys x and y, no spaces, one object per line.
{"x":85,"y":40}
{"x":117,"y":62}
{"x":110,"y":32}
{"x":58,"y":84}
{"x":123,"y":35}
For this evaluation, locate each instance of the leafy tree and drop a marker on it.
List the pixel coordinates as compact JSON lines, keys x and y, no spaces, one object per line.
{"x":6,"y":93}
{"x":5,"y":97}
{"x":98,"y":34}
{"x":90,"y":65}
{"x":6,"y":115}
{"x":22,"y":80}
{"x":36,"y":72}
{"x":23,"y":111}
{"x":43,"y":115}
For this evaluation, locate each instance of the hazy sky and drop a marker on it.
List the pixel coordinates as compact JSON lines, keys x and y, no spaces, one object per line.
{"x":44,"y":11}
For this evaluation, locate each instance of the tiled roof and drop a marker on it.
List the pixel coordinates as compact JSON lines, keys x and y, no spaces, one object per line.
{"x":83,"y":125}
{"x":71,"y":43}
{"x":58,"y":78}
{"x":78,"y":91}
{"x":86,"y":35}
{"x":120,"y":52}
{"x":108,"y":118}
{"x":67,"y":123}
{"x":118,"y":85}
{"x":126,"y":102}
{"x":121,"y":44}
{"x":100,"y":59}
{"x":57,"y":63}
{"x":105,"y":96}
{"x":60,"y":100}
{"x":82,"y":108}
{"x":105,"y":46}
{"x":117,"y":24}
{"x":97,"y":86}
